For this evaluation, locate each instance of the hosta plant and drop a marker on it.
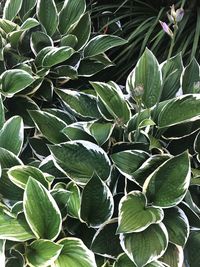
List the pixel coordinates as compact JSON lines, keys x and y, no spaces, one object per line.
{"x":108,"y":177}
{"x":44,"y":44}
{"x":104,"y":176}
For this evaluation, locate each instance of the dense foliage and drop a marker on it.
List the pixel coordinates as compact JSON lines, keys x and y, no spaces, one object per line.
{"x":97,"y":175}
{"x":137,"y":21}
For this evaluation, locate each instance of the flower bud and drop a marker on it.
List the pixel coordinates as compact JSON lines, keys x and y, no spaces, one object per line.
{"x":173,"y":12}
{"x":138,"y":92}
{"x":179,"y":14}
{"x":166,"y":28}
{"x":170,"y":18}
{"x":175,"y":15}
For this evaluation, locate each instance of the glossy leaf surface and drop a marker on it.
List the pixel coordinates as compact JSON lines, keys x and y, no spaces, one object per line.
{"x":146,"y":246}
{"x":96,"y":203}
{"x":41,"y":211}
{"x":147,"y":78}
{"x":80,"y":159}
{"x":168,"y":184}
{"x":75,"y":254}
{"x":134,"y":215}
{"x":42,"y":253}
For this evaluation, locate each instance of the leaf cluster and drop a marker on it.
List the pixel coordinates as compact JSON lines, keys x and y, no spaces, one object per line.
{"x":138,"y":22}
{"x":99,"y":177}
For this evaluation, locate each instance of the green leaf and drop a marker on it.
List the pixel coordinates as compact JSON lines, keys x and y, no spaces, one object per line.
{"x":182,"y":130}
{"x":29,"y":24}
{"x":70,"y":14}
{"x":20,"y":104}
{"x":9,"y":191}
{"x":45,"y":91}
{"x":81,"y":159}
{"x":148,"y":167}
{"x":75,"y":254}
{"x":146,"y":246}
{"x":41,"y":211}
{"x":8,"y":159}
{"x":14,"y":81}
{"x":39,"y":58}
{"x":47,"y":165}
{"x":190,"y":78}
{"x":193,"y":218}
{"x":17,"y":258}
{"x":177,"y":226}
{"x":83,"y":105}
{"x":7,"y":26}
{"x":40,"y":40}
{"x":123,"y":260}
{"x":11,"y":9}
{"x":101,"y":43}
{"x":145,"y":123}
{"x":113,"y":99}
{"x":69,"y":40}
{"x":138,"y":118}
{"x":47,"y":15}
{"x":61,"y":114}
{"x":168,"y":184}
{"x":74,"y":202}
{"x":97,"y":203}
{"x":39,"y":149}
{"x":56,"y":55}
{"x":173,"y":256}
{"x":171,"y":70}
{"x":195,"y":181}
{"x":92,"y":65}
{"x":19,"y":175}
{"x":190,"y":199}
{"x":49,"y":125}
{"x":148,"y":77}
{"x":192,"y":249}
{"x":17,"y":208}
{"x":65,"y":72}
{"x":2,"y":252}
{"x":101,"y":131}
{"x":82,"y":31}
{"x":26,"y":9}
{"x":14,"y":37}
{"x":181,"y":109}
{"x":15,"y":229}
{"x":42,"y":253}
{"x":105,"y":241}
{"x":77,"y":131}
{"x":12,"y":135}
{"x":122,"y":161}
{"x":61,"y":197}
{"x":157,"y":264}
{"x":135,"y":215}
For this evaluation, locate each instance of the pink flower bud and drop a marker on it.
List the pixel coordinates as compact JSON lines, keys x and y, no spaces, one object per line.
{"x":166,"y":28}
{"x":179,"y":14}
{"x":175,"y":15}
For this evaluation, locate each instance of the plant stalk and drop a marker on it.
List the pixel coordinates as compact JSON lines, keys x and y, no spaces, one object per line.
{"x":166,"y":69}
{"x":138,"y":121}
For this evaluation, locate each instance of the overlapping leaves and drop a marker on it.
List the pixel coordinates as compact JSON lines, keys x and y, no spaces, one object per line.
{"x":93,"y":175}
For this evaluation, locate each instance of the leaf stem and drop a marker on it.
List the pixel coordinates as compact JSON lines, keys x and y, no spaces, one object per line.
{"x":138,"y":121}
{"x":166,"y":69}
